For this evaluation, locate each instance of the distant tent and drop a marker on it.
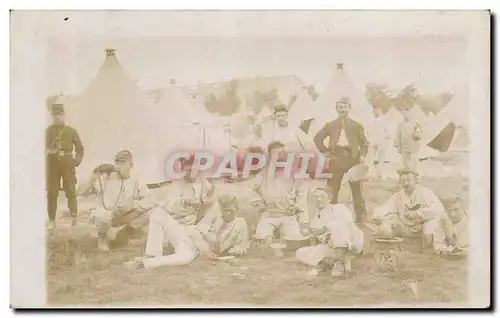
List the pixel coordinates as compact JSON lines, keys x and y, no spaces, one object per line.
{"x":340,"y":86}
{"x":114,"y":114}
{"x":174,"y":105}
{"x":443,"y":140}
{"x":417,"y":114}
{"x":442,"y":130}
{"x":301,"y":109}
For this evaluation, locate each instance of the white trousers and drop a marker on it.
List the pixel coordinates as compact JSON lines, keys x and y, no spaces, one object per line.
{"x":312,"y":255}
{"x":163,"y":229}
{"x":288,"y":226}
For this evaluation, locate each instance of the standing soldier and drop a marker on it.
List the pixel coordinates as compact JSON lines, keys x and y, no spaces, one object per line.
{"x":347,"y":147}
{"x":60,"y":140}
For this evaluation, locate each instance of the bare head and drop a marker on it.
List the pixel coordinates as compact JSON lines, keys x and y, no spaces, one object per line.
{"x":276,"y":149}
{"x":229,"y":207}
{"x":408,"y":180}
{"x":281,"y":115}
{"x":187,"y":166}
{"x":455,"y":209}
{"x":406,"y":114}
{"x":320,"y":197}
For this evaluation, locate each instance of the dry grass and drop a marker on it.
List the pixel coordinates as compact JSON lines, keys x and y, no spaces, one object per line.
{"x":265,"y":282}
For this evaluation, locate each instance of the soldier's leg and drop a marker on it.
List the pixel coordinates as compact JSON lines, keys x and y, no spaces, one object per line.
{"x":405,"y":157}
{"x":53,"y":178}
{"x":69,"y":185}
{"x":291,"y":228}
{"x":358,"y":200}
{"x":103,"y":219}
{"x":413,"y":160}
{"x":266,"y":228}
{"x":334,"y":184}
{"x":435,"y":231}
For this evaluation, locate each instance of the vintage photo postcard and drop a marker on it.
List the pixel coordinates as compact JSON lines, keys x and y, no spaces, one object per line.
{"x":252,"y":159}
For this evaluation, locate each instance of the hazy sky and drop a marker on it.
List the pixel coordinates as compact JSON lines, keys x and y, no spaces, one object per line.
{"x":434,"y":64}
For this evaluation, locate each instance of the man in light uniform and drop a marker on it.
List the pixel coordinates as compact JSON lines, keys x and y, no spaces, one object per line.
{"x":125,"y":201}
{"x":220,"y":232}
{"x":346,"y":239}
{"x":293,"y":138}
{"x":195,"y":194}
{"x":414,"y":211}
{"x":457,"y":225}
{"x":279,"y":194}
{"x":407,"y":140}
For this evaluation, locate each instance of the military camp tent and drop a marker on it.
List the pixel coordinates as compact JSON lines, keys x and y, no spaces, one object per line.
{"x":112,"y":114}
{"x":340,"y":86}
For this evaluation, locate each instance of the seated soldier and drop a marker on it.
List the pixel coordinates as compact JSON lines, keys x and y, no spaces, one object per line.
{"x":457,"y":225}
{"x":196,"y":192}
{"x":124,"y":199}
{"x":219,"y":232}
{"x":279,"y":195}
{"x":414,"y":211}
{"x":345,"y":241}
{"x":223,"y":233}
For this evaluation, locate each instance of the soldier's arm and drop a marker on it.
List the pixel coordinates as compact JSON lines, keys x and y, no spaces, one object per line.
{"x":87,"y":187}
{"x":143,"y":199}
{"x":320,"y":137}
{"x":78,"y":148}
{"x":47,"y":138}
{"x":432,"y":206}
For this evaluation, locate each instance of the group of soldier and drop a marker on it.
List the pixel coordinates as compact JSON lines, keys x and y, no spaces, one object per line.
{"x":193,"y":218}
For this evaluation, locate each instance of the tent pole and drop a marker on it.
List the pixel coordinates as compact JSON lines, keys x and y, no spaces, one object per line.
{"x":203,"y":137}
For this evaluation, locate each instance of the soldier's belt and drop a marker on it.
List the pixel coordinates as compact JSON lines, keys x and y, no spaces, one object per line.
{"x":61,"y":154}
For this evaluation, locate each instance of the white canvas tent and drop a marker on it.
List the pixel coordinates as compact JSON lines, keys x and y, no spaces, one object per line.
{"x":203,"y":130}
{"x":340,"y":85}
{"x":114,"y":114}
{"x":301,"y":109}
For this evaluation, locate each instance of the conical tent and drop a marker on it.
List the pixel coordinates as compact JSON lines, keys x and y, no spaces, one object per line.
{"x":302,"y":109}
{"x":114,"y":114}
{"x":204,"y":130}
{"x":417,"y":114}
{"x":340,"y":86}
{"x":174,"y":106}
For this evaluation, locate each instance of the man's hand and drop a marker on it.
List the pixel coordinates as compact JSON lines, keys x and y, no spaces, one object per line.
{"x":126,"y":206}
{"x":362,"y":159}
{"x":350,"y":246}
{"x":95,"y":175}
{"x":411,"y":215}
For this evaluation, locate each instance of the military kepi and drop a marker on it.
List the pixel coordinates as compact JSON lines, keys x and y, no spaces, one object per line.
{"x":280,"y":108}
{"x":57,"y":109}
{"x":124,"y":156}
{"x":407,"y":171}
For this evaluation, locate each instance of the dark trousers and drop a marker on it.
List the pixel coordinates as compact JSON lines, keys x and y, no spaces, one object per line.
{"x":60,"y":167}
{"x":340,"y":163}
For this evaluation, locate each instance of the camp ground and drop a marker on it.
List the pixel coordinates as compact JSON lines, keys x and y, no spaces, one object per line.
{"x":114,"y":113}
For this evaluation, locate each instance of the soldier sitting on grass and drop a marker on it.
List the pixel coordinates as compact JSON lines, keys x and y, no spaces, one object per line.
{"x":124,"y":200}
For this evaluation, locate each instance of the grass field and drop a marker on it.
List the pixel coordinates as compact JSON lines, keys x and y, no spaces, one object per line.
{"x":258,"y":279}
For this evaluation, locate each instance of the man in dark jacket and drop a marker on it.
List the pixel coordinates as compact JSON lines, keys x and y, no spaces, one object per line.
{"x":347,"y":147}
{"x":60,"y":140}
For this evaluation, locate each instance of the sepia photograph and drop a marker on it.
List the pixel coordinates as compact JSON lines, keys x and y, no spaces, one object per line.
{"x":338,"y":163}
